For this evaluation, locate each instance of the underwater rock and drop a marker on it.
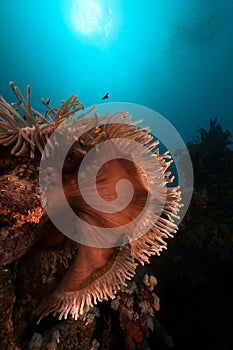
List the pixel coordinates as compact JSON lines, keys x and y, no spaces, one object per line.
{"x":7,"y":299}
{"x":67,"y":334}
{"x":20,"y":213}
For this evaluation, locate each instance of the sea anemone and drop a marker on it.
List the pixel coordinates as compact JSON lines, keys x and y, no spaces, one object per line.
{"x":97,"y":271}
{"x":30,"y":129}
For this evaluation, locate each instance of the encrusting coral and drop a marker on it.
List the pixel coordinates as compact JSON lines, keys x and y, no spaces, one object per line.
{"x":21,"y":215}
{"x":96,"y":273}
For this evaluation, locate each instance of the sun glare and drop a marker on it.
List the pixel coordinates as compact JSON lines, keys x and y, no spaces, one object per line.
{"x":87,"y":17}
{"x":95,"y":22}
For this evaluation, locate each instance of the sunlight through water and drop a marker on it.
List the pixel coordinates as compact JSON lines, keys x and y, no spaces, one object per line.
{"x":94,"y":22}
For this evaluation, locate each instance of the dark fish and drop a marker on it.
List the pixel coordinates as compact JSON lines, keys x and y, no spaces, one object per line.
{"x":47,"y":101}
{"x":106,"y":96}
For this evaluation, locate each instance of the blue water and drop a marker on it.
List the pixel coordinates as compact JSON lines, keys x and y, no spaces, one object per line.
{"x":174,"y":56}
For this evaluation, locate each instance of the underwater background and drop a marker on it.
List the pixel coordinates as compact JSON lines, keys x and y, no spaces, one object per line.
{"x":173,"y":56}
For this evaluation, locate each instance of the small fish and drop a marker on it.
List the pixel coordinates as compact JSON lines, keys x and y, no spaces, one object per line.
{"x":106,"y":96}
{"x":47,"y":101}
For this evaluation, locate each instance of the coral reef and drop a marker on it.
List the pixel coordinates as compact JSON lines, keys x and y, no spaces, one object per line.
{"x":198,"y":265}
{"x":137,"y":305}
{"x":194,"y":274}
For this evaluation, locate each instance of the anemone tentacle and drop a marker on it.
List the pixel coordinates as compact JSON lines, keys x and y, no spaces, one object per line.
{"x":28,"y":129}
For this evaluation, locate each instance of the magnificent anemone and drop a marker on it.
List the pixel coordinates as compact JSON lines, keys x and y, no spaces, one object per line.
{"x":97,"y":272}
